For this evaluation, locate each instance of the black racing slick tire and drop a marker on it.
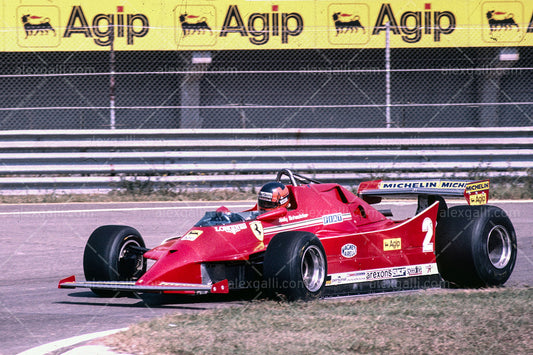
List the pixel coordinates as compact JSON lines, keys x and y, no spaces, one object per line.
{"x":110,"y":256}
{"x":295,"y":266}
{"x":475,"y":246}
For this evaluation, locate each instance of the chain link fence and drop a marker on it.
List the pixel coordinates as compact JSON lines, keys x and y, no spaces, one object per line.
{"x":342,"y":88}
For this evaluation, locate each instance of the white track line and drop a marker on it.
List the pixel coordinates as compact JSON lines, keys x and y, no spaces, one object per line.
{"x":56,"y":345}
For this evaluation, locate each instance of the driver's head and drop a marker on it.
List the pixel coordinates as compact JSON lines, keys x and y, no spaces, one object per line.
{"x":273,"y":195}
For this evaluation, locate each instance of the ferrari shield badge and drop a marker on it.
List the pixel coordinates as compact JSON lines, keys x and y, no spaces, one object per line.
{"x":257,"y":229}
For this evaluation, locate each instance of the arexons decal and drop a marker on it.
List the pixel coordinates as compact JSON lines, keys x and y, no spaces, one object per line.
{"x":382,"y":274}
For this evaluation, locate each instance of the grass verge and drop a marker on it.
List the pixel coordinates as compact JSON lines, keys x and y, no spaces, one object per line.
{"x":493,"y":321}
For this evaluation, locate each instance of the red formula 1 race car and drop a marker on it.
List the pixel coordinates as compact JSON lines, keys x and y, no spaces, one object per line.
{"x":306,"y":239}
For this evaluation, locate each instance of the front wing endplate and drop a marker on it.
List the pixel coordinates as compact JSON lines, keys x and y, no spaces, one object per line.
{"x":70,"y":282}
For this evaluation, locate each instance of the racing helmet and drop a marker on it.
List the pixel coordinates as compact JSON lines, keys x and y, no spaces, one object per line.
{"x":273,"y":195}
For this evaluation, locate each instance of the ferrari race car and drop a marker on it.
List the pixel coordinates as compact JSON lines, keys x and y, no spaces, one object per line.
{"x":324,"y":240}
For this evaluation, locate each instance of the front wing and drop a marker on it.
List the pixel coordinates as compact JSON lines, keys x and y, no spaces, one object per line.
{"x":130,"y":286}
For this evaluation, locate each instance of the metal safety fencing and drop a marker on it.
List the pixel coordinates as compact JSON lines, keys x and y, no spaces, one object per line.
{"x":348,"y":88}
{"x":152,"y":64}
{"x":100,"y":161}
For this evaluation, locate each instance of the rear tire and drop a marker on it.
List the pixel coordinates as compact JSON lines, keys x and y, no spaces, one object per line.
{"x":295,"y":266}
{"x":475,"y":246}
{"x":108,"y":257}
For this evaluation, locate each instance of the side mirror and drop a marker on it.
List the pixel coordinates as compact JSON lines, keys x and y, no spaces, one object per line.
{"x":272,"y":215}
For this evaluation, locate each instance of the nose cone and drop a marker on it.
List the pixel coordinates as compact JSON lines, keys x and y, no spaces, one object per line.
{"x":180,"y":262}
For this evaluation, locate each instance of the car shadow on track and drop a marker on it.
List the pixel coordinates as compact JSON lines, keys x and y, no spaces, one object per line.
{"x":195,"y":302}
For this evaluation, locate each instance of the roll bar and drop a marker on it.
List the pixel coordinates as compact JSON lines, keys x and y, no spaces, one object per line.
{"x":295,"y":179}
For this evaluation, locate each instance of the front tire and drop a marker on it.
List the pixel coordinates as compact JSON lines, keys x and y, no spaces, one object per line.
{"x":475,"y":246}
{"x":109,"y":256}
{"x":295,"y":266}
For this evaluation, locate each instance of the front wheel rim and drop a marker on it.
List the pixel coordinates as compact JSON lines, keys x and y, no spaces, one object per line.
{"x":499,"y":247}
{"x":313,"y":268}
{"x":127,"y":268}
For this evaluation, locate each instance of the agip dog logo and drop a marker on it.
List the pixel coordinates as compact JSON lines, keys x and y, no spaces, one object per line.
{"x":35,"y":25}
{"x":501,"y":22}
{"x":344,"y":26}
{"x":348,"y":24}
{"x":38,"y":26}
{"x":195,"y":25}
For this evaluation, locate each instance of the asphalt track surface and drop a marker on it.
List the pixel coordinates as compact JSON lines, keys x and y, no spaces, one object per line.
{"x":40,"y":244}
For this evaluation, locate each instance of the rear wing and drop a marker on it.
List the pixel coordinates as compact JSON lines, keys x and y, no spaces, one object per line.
{"x":475,"y":192}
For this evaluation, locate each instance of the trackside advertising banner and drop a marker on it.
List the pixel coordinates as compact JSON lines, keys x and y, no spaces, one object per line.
{"x":83,"y":25}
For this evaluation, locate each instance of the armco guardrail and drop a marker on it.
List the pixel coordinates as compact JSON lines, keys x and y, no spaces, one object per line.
{"x":103,"y":160}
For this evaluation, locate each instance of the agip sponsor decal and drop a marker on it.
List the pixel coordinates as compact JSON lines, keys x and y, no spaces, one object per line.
{"x":259,"y":27}
{"x":195,"y":25}
{"x":349,"y":24}
{"x":478,"y":199}
{"x":38,"y":26}
{"x":477,"y":193}
{"x":411,"y":25}
{"x":241,"y":24}
{"x":392,"y":244}
{"x":238,"y":25}
{"x":70,"y":27}
{"x":101,"y":28}
{"x":192,"y":235}
{"x":502,"y":22}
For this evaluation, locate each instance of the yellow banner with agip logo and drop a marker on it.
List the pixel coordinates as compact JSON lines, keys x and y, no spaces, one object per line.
{"x":50,"y":25}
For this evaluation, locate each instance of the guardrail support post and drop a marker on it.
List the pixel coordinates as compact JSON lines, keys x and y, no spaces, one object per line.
{"x":190,"y":90}
{"x":387,"y":76}
{"x":112,"y":122}
{"x":490,"y":86}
